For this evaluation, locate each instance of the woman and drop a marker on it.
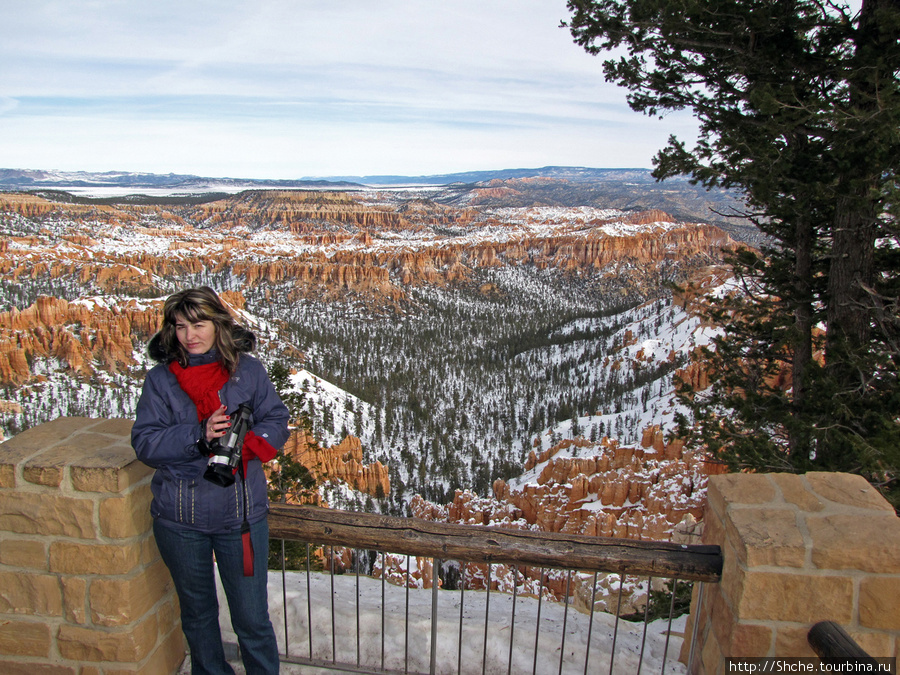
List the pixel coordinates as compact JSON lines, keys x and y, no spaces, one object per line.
{"x":204,"y":374}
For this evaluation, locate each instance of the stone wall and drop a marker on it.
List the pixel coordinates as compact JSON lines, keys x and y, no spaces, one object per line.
{"x":83,"y":590}
{"x":798,"y":549}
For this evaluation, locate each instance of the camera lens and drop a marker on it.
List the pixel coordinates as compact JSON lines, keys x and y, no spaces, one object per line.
{"x":220,"y":474}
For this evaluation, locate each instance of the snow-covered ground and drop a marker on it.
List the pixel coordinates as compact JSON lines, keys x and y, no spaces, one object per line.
{"x":346,"y":412}
{"x":334,"y":601}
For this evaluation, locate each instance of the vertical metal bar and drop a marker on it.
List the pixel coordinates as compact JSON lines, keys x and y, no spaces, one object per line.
{"x":487,"y":614}
{"x":462,"y":598}
{"x":562,"y":643}
{"x":587,"y":651}
{"x":356,"y":552}
{"x":690,"y":662}
{"x":612,"y":651}
{"x":308,"y":603}
{"x":383,"y":575}
{"x":435,"y":582}
{"x":646,"y":615}
{"x":406,"y":622}
{"x":537,"y":623}
{"x":512,"y":623}
{"x":669,"y":631}
{"x":284,"y":597}
{"x":333,"y":623}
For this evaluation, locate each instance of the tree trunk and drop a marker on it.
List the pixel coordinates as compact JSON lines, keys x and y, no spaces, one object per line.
{"x":798,"y":436}
{"x":855,"y":218}
{"x":852,"y":270}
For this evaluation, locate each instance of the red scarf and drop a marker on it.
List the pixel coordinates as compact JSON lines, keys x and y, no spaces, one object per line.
{"x":202,"y":384}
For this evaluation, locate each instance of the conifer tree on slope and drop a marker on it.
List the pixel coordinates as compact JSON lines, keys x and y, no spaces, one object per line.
{"x":799,"y":108}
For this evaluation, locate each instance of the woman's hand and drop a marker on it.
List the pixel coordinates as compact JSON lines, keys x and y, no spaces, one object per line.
{"x":217,"y":424}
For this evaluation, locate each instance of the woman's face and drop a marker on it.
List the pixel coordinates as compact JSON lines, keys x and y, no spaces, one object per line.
{"x":197,"y":337}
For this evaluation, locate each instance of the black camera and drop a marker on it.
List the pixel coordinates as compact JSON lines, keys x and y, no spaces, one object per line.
{"x":226,"y":451}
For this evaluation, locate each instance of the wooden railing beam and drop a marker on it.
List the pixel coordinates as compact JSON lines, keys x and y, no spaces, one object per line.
{"x":475,"y":543}
{"x":829,"y":640}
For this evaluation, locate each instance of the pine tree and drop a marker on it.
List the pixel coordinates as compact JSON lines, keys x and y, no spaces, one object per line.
{"x":798,"y":105}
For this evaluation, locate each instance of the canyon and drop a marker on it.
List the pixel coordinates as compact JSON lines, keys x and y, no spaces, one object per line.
{"x":487,"y":363}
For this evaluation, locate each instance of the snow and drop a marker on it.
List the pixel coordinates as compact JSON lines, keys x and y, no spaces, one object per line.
{"x":343,"y":406}
{"x":193,"y":190}
{"x":334,"y":615}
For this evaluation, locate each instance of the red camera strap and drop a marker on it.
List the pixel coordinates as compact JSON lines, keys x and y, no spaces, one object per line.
{"x":248,"y":549}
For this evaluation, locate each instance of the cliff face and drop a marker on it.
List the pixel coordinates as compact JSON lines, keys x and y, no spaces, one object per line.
{"x":83,"y":335}
{"x":342,"y":462}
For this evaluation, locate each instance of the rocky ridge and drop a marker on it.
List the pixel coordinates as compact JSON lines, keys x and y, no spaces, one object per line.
{"x":334,"y":244}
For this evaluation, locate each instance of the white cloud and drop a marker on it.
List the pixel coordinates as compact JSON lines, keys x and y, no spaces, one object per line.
{"x":284,"y":88}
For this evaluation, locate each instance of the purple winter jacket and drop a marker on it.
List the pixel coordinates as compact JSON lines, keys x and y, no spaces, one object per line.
{"x":165,"y":435}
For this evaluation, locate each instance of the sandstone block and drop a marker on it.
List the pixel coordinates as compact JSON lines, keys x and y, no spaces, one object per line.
{"x":128,"y":515}
{"x":802,"y":598}
{"x":742,"y":488}
{"x":28,"y":553}
{"x":879,"y":603}
{"x":792,"y":641}
{"x":711,"y":657}
{"x":12,"y":453}
{"x":166,"y":658}
{"x":733,"y":574}
{"x":75,"y":599}
{"x":111,"y":469}
{"x":847,"y":489}
{"x":765,"y":536}
{"x":26,"y":593}
{"x":80,"y":448}
{"x":74,"y":558}
{"x":24,"y":638}
{"x":713,"y":529}
{"x":129,"y":645}
{"x":48,"y":467}
{"x":878,"y":645}
{"x":868,"y":543}
{"x":7,"y":470}
{"x":118,"y":602}
{"x":115,"y":426}
{"x":719,"y":615}
{"x":47,"y":434}
{"x":169,"y":616}
{"x":795,"y":491}
{"x":47,"y":514}
{"x":750,"y":640}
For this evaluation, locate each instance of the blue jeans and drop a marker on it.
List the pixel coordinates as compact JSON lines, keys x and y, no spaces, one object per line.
{"x":189,"y":557}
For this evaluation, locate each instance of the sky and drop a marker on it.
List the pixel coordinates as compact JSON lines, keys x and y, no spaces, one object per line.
{"x":309,"y":88}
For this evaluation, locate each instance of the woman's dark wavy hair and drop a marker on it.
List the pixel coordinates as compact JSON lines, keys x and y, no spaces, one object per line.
{"x":200,"y":304}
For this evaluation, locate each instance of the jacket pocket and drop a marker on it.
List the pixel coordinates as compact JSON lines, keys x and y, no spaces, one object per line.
{"x":175,"y":500}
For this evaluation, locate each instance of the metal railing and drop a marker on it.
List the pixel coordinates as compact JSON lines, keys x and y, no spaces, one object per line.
{"x":384,"y":545}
